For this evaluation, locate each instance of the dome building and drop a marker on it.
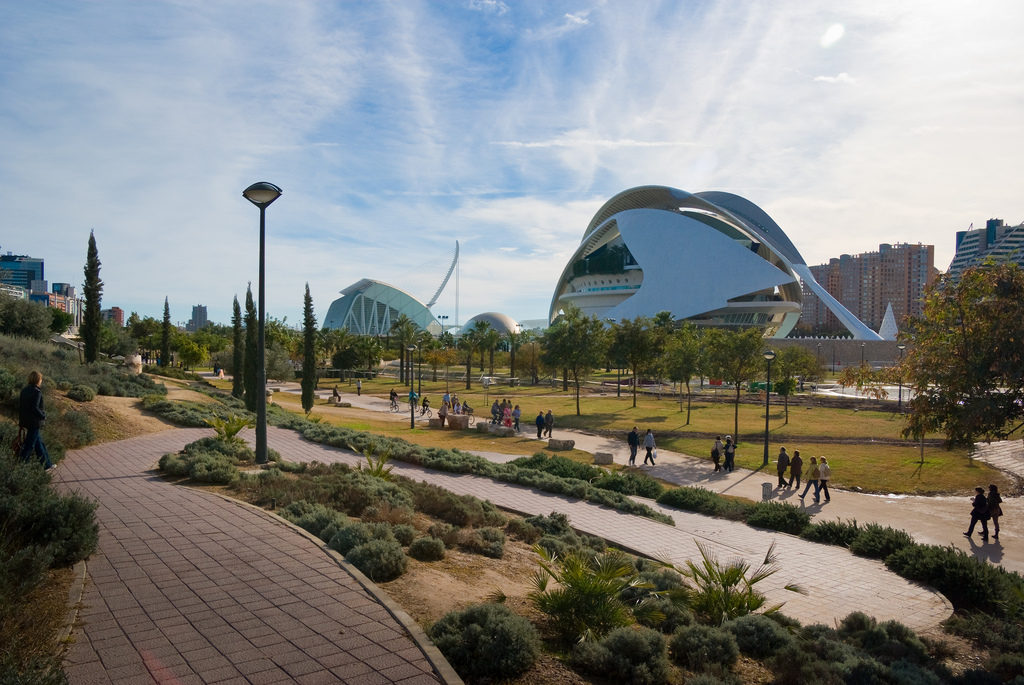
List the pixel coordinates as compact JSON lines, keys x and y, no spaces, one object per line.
{"x":502,"y":323}
{"x":712,"y":258}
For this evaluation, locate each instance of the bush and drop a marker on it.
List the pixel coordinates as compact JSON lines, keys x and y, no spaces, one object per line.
{"x":1006,"y":666}
{"x":704,"y":502}
{"x":558,"y":466}
{"x":632,"y":655}
{"x":878,"y":542}
{"x":489,"y":542}
{"x":665,"y":616}
{"x":698,"y":647}
{"x":487,"y":641}
{"x":315,"y":518}
{"x":521,"y":530}
{"x":778,"y":516}
{"x":404,"y":533}
{"x":459,"y":510}
{"x":381,"y":560}
{"x":81,"y":393}
{"x":757,"y":635}
{"x":639,"y":484}
{"x":446,"y":532}
{"x":358,"y":534}
{"x":427,"y":549}
{"x":840,"y":533}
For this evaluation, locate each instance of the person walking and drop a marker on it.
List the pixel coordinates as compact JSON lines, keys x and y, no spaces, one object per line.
{"x":796,"y":467}
{"x":717,"y":452}
{"x":359,"y":387}
{"x":781,"y":465}
{"x":442,"y":413}
{"x":824,"y":475}
{"x":31,"y":416}
{"x":650,"y":447}
{"x":994,"y":510}
{"x":633,"y":440}
{"x":549,"y":423}
{"x":979,"y":512}
{"x":730,"y":454}
{"x":540,"y":423}
{"x":812,"y":479}
{"x":516,"y":414}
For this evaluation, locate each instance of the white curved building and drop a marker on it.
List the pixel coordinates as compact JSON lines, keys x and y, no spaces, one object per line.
{"x":369,"y":307}
{"x":503,"y":323}
{"x":713,"y":258}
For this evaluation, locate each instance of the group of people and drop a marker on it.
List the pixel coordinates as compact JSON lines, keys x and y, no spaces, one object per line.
{"x":818,"y":477}
{"x":634,"y":441}
{"x":544,"y":423}
{"x":451,"y":405}
{"x":724,"y":451}
{"x":505,"y":414}
{"x":983,"y":508}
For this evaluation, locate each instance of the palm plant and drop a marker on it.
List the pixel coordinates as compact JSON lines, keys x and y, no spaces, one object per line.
{"x":404,"y":331}
{"x":229,"y":427}
{"x":726,"y":591}
{"x":586,"y":603}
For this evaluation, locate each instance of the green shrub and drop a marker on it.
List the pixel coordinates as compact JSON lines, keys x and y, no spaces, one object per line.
{"x":970,"y":584}
{"x":404,"y":533}
{"x":698,"y":647}
{"x":704,"y":502}
{"x":427,"y":549}
{"x":81,"y":393}
{"x":633,"y":655}
{"x":445,"y":532}
{"x":778,"y":516}
{"x":878,"y":542}
{"x":381,"y":560}
{"x":173,"y":464}
{"x":988,"y":631}
{"x":71,"y":428}
{"x":888,"y":642}
{"x":757,"y":635}
{"x":521,"y":530}
{"x":665,"y":615}
{"x":356,"y":534}
{"x":1006,"y":666}
{"x":488,"y":541}
{"x":459,"y":510}
{"x":314,"y":517}
{"x":555,"y":465}
{"x":486,"y":641}
{"x":639,"y":484}
{"x":213,"y":467}
{"x":383,"y":511}
{"x":840,"y":533}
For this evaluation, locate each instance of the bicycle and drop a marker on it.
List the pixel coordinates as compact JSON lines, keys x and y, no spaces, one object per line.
{"x":426,"y":412}
{"x":472,"y":418}
{"x":394,"y":407}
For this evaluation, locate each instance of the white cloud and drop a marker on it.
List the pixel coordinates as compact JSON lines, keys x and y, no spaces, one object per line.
{"x":842,"y":77}
{"x":491,"y":6}
{"x":833,"y":34}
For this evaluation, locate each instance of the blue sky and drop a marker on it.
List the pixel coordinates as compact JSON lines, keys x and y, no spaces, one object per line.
{"x":396,"y":128}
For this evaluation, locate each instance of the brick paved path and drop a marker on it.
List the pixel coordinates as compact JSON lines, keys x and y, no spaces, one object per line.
{"x":188,"y":587}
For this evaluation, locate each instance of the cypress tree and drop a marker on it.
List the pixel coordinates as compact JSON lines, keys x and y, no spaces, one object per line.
{"x":165,"y":336}
{"x":237,"y":352}
{"x":308,"y":352}
{"x":93,"y":289}
{"x":250,"y":375}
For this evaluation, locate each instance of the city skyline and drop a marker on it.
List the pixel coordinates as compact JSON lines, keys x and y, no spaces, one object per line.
{"x":395,"y":130}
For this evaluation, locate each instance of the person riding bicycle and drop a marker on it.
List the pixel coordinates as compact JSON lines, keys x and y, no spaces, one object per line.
{"x":413,"y":397}
{"x":425,"y":405}
{"x":466,"y":409}
{"x":394,"y":399}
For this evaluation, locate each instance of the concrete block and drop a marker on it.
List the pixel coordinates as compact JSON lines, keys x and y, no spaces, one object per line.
{"x":558,"y":445}
{"x":603,"y":458}
{"x":458,"y":422}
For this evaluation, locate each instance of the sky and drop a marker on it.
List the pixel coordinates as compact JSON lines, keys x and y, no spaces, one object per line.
{"x":397,"y":128}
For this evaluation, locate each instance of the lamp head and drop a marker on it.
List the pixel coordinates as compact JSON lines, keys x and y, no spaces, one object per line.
{"x":901,"y":347}
{"x":262,"y":194}
{"x":769,"y":355}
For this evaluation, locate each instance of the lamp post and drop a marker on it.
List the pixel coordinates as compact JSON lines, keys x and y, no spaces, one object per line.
{"x":768,"y":355}
{"x":862,"y":346}
{"x":899,"y":401}
{"x":618,"y":368}
{"x":412,"y":403}
{"x":819,"y":355}
{"x":419,"y":371}
{"x":261,"y":194}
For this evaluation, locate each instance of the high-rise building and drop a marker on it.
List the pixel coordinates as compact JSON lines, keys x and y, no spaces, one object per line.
{"x":868,"y":283}
{"x":20,"y":270}
{"x":198,"y":319}
{"x":115,"y":314}
{"x":996,"y":240}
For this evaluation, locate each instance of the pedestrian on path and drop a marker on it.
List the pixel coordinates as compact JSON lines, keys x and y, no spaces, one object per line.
{"x":442,"y":413}
{"x":516,"y":414}
{"x":549,"y":423}
{"x":979,"y":512}
{"x":652,"y":449}
{"x":994,"y":510}
{"x":633,"y":440}
{"x":359,"y":387}
{"x":716,"y":452}
{"x":730,"y":454}
{"x":812,"y":479}
{"x":824,"y":475}
{"x":30,"y":417}
{"x":335,"y":395}
{"x":781,"y":466}
{"x":796,"y":467}
{"x":540,"y":423}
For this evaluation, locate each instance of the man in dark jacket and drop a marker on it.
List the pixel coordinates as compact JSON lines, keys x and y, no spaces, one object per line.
{"x":633,"y":440}
{"x":979,"y":512}
{"x":540,"y":423}
{"x":31,"y":417}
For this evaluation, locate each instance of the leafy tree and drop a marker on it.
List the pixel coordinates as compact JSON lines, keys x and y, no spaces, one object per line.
{"x":333,"y":340}
{"x":115,"y":340}
{"x":370,"y":351}
{"x":237,"y":351}
{"x":637,"y":344}
{"x":347,"y":357}
{"x":213,"y":337}
{"x":250,"y":375}
{"x":966,"y":358}
{"x":490,"y":339}
{"x":736,"y":357}
{"x":279,"y":363}
{"x":576,"y":343}
{"x":286,"y":339}
{"x":530,"y":353}
{"x":24,"y":318}
{"x":190,"y":352}
{"x":165,"y":336}
{"x":60,"y":321}
{"x":93,"y":291}
{"x":404,"y":331}
{"x":469,"y":341}
{"x":514,"y":340}
{"x":145,"y":331}
{"x":440,"y":356}
{"x":791,"y":362}
{"x":308,"y":352}
{"x":682,"y":359}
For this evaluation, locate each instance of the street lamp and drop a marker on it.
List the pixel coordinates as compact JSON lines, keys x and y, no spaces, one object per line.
{"x":819,"y":355}
{"x":768,"y":355}
{"x":412,"y":404}
{"x":444,"y":319}
{"x":899,"y":401}
{"x":862,"y":346}
{"x":261,"y":194}
{"x":419,"y":371}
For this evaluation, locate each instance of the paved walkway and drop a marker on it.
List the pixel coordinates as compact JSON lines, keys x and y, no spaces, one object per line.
{"x":190,"y":587}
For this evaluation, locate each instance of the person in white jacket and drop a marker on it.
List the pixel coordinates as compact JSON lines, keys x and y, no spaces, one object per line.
{"x":649,"y":446}
{"x":824,"y":473}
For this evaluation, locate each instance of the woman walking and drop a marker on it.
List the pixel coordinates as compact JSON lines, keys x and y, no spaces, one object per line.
{"x":649,"y":446}
{"x":717,"y":452}
{"x":812,"y":479}
{"x":30,"y":417}
{"x":730,"y":454}
{"x":994,"y":510}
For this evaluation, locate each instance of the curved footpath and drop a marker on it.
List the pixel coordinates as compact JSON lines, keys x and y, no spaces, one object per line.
{"x":190,"y":587}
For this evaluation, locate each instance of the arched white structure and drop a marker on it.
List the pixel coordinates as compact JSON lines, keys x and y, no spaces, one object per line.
{"x":713,"y":258}
{"x":369,"y":307}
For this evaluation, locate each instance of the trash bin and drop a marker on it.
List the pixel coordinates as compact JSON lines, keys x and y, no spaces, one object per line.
{"x":766,"y":491}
